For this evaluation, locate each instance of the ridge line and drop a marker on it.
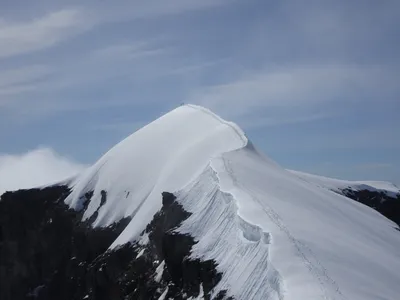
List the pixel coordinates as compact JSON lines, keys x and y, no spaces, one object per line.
{"x":232,"y":125}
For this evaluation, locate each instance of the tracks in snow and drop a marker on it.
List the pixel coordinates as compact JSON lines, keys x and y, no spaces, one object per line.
{"x":240,"y":249}
{"x":309,"y":258}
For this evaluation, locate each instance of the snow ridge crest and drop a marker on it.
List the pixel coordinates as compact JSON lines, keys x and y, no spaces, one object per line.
{"x":164,"y":155}
{"x":233,"y":125}
{"x":224,"y":236}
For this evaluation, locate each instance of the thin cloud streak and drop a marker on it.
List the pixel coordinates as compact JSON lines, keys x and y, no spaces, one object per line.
{"x":267,"y":121}
{"x":21,"y":80}
{"x":52,"y":28}
{"x":293,"y":87}
{"x":22,"y":75}
{"x":37,"y":34}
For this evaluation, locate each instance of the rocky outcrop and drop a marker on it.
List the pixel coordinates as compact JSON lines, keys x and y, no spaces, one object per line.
{"x":47,"y":252}
{"x":387,"y":205}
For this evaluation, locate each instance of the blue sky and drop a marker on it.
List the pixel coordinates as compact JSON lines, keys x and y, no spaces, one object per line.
{"x":315,"y":84}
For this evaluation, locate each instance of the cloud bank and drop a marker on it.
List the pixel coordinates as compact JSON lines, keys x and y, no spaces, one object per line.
{"x":34,"y":168}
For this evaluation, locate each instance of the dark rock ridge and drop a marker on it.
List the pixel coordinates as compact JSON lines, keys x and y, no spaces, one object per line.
{"x":387,"y":205}
{"x":47,"y":252}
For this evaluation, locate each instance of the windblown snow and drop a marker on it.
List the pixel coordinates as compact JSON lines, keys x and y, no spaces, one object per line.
{"x":273,"y":234}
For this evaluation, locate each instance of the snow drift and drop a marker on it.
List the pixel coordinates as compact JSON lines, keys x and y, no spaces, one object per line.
{"x":273,"y":234}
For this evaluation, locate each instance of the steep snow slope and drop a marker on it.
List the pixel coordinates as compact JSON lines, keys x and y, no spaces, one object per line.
{"x":322,"y":246}
{"x":272,"y":234}
{"x":338,"y":185}
{"x":163,"y":156}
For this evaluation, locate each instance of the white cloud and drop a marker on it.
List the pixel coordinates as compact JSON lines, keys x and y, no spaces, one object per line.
{"x":21,"y":37}
{"x":40,"y":33}
{"x":35,"y":168}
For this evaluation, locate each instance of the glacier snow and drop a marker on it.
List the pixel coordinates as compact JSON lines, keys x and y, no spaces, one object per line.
{"x":273,"y":234}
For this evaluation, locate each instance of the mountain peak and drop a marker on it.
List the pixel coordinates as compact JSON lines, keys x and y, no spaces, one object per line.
{"x":190,"y":205}
{"x":162,"y":156}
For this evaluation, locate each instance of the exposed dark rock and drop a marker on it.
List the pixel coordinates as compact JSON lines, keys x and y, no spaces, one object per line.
{"x":44,"y":244}
{"x":47,"y":252}
{"x":86,"y":200}
{"x":387,"y":205}
{"x":87,"y":197}
{"x":103,"y":199}
{"x":129,"y":272}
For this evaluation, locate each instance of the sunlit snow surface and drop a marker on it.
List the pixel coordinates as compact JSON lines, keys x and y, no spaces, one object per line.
{"x":337,"y":184}
{"x":274,"y":235}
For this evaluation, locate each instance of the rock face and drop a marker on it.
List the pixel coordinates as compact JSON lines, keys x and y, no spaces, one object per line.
{"x":46,"y":252}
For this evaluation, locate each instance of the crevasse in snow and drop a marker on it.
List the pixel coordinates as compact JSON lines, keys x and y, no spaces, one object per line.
{"x":273,"y":235}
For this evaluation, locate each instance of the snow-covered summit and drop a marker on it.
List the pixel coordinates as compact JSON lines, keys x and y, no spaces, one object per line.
{"x":162,"y":156}
{"x":272,"y":234}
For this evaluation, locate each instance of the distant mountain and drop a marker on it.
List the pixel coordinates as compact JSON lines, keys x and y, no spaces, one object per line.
{"x":380,"y":195}
{"x":339,"y":185}
{"x":188,"y":208}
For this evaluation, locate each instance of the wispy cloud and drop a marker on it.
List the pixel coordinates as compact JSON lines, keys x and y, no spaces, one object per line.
{"x":123,"y":127}
{"x":49,"y":29}
{"x":129,"y":51}
{"x":21,"y":80}
{"x":95,"y":66}
{"x":353,"y":139}
{"x":269,"y":121}
{"x":35,"y":168}
{"x":40,"y":33}
{"x":151,"y":8}
{"x":136,"y":61}
{"x":22,"y":75}
{"x":294,"y":87}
